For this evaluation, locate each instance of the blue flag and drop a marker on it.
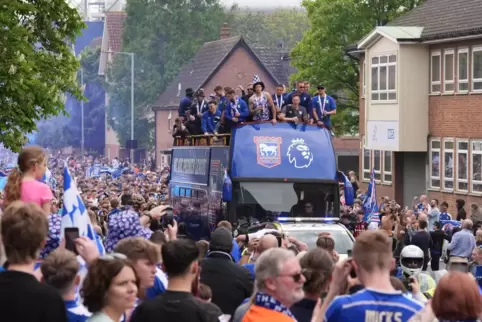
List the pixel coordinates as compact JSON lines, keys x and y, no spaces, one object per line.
{"x":74,"y":212}
{"x":227,"y":187}
{"x":370,"y":203}
{"x":347,"y":188}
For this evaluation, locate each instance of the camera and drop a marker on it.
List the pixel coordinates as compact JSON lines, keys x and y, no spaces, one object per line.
{"x":168,"y":218}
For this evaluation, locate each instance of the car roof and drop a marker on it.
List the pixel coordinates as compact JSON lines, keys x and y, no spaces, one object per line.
{"x":313,"y":226}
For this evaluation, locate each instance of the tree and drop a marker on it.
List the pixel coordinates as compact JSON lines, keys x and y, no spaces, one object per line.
{"x":37,"y":64}
{"x":321,"y":57}
{"x":61,"y":131}
{"x":163,"y":36}
{"x":267,"y":29}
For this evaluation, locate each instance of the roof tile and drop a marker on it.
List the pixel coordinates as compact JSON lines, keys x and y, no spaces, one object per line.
{"x":208,"y":58}
{"x":444,"y":18}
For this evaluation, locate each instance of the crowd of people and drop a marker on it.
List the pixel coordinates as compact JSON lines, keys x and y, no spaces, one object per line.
{"x":218,"y":113}
{"x":146,"y":270}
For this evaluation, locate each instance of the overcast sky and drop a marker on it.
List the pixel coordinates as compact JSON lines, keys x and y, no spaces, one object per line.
{"x":263,"y":3}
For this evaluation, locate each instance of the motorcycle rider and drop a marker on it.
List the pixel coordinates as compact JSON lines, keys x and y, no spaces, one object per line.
{"x":411,"y":262}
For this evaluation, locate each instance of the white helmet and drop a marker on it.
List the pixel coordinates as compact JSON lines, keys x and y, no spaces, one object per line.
{"x":411,"y":260}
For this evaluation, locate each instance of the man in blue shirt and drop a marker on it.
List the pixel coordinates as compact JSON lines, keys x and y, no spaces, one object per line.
{"x":237,"y":111}
{"x":372,"y":262}
{"x":323,"y":106}
{"x":210,"y":119}
{"x":463,"y":242}
{"x":185,"y":103}
{"x":305,"y":98}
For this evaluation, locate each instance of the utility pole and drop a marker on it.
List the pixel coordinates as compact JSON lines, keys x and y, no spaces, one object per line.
{"x":132,"y":96}
{"x":82,"y":111}
{"x":132,"y":106}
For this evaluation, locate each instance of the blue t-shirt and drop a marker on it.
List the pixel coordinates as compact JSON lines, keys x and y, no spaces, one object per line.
{"x":159,"y":287}
{"x":2,"y":269}
{"x":371,"y":305}
{"x":250,"y":267}
{"x":235,"y":252}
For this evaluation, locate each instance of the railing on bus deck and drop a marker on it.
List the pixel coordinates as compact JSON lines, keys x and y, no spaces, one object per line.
{"x":220,"y":139}
{"x":202,"y":140}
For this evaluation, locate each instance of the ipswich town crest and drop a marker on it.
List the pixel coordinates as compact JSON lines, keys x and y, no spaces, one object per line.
{"x":268,"y":150}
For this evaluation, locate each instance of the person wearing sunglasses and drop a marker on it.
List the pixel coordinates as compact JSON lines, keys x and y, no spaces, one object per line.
{"x":110,"y":288}
{"x":279,"y":284}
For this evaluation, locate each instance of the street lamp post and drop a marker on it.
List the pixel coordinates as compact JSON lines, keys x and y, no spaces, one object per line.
{"x":82,"y":111}
{"x":132,"y":95}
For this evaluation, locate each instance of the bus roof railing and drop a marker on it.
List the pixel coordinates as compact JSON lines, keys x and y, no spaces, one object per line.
{"x":203,"y":140}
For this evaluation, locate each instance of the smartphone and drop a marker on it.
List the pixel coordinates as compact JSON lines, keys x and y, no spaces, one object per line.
{"x":407,"y":282}
{"x":352,"y":272}
{"x":71,"y":234}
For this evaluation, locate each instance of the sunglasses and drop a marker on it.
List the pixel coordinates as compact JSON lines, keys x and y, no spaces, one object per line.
{"x":296,"y":277}
{"x":113,"y":256}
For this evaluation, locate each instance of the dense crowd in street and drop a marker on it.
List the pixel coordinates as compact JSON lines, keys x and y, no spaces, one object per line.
{"x":141,"y":268}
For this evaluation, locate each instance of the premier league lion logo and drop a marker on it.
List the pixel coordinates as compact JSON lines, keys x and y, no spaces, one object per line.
{"x":299,"y":154}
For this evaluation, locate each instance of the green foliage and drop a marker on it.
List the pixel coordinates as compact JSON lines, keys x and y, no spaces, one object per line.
{"x":268,"y":28}
{"x":163,"y":35}
{"x":321,"y":55}
{"x":37,"y":64}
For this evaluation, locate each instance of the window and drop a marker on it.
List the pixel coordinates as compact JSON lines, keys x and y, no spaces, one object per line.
{"x":384,"y":79}
{"x":463,"y":70}
{"x":377,"y":164}
{"x":448,"y":164}
{"x":435,"y":66}
{"x":449,"y":70}
{"x":366,"y":164}
{"x":435,"y":163}
{"x":462,"y":165}
{"x":476,"y":166}
{"x":477,"y":69}
{"x":364,"y":79}
{"x":387,"y":166}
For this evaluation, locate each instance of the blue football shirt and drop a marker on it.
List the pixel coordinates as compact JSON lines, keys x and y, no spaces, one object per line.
{"x":371,"y":305}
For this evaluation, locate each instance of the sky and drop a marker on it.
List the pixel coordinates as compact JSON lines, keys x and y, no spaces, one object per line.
{"x":263,"y":4}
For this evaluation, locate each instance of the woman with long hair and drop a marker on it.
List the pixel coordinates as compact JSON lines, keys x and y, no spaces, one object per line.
{"x":23,"y":182}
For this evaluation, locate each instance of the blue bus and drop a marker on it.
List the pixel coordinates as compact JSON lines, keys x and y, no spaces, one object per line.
{"x":282,"y":170}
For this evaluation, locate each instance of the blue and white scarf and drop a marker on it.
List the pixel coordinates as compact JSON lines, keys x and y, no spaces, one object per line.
{"x":269,"y":302}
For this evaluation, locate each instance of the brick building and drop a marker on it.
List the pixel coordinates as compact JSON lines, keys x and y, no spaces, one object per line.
{"x":229,"y":61}
{"x":420,"y":106}
{"x":111,"y":43}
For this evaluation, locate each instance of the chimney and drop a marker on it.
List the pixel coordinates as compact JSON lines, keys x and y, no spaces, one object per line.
{"x":225,"y":31}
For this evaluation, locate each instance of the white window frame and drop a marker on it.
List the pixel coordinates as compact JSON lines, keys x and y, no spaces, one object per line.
{"x":439,"y":82}
{"x":462,"y":81}
{"x":379,"y":172}
{"x":385,"y":172}
{"x":364,"y":78}
{"x":448,"y":52}
{"x":466,"y":152}
{"x":471,"y":153}
{"x":475,"y":80}
{"x":439,"y":178}
{"x":385,"y":91}
{"x":444,"y":150}
{"x":364,"y":168}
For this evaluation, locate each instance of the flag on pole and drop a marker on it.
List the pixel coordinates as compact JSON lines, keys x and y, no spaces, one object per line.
{"x":347,"y":188}
{"x":370,"y":203}
{"x":74,"y":212}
